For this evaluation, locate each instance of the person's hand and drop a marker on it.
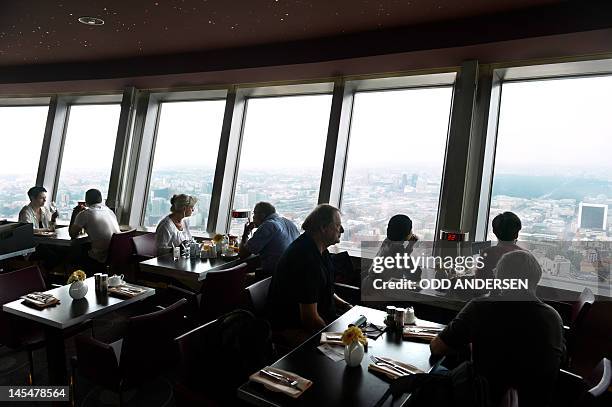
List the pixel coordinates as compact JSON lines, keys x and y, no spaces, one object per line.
{"x":248,"y":227}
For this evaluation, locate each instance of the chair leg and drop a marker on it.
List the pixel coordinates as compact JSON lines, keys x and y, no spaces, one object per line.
{"x":30,"y":378}
{"x":73,"y":385}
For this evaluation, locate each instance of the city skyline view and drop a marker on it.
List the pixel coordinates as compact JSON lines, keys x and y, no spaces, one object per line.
{"x":542,"y":171}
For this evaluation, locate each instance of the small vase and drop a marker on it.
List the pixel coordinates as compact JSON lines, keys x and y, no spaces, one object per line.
{"x":78,"y":290}
{"x":353,"y":354}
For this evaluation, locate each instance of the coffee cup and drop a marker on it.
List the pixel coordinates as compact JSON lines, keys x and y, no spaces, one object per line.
{"x":115,"y":280}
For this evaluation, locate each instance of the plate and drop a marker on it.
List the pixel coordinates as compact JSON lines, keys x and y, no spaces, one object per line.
{"x":229,"y":256}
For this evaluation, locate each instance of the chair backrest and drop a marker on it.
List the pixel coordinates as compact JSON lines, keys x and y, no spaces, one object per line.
{"x":601,"y":379}
{"x":593,"y":340}
{"x":121,"y":248}
{"x":258,"y":296}
{"x":148,"y":346}
{"x":191,"y":354}
{"x":145,"y":245}
{"x":12,"y":286}
{"x":581,"y":307}
{"x":230,"y":347}
{"x":222,"y":291}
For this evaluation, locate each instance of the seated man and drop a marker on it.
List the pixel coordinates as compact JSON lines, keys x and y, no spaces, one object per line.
{"x":506,"y":227}
{"x":517,"y":340}
{"x":272,"y":236}
{"x":301,"y":297}
{"x":99,"y":222}
{"x":36,"y":212}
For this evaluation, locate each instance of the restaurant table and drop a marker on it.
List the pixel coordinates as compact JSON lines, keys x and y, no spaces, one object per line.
{"x":21,"y":252}
{"x":61,"y":238}
{"x":336,"y":384}
{"x":68,"y":313}
{"x":192,"y":269}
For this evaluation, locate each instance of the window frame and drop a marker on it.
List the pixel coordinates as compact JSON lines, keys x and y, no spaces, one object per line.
{"x":522,"y":73}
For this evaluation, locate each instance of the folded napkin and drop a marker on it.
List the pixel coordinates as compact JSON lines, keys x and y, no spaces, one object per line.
{"x":125,"y":291}
{"x":333,"y":338}
{"x":278,"y":386}
{"x":424,"y":333}
{"x":389,"y":371}
{"x":40,"y":300}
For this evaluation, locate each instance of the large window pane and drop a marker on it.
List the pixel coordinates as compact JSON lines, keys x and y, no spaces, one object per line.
{"x":88,"y":154}
{"x":395,"y":160}
{"x":553,"y":157}
{"x":282,"y":154}
{"x":185,"y":158}
{"x":21,"y":133}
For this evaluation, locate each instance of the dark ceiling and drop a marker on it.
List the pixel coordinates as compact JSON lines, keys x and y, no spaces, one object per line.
{"x":34,"y":32}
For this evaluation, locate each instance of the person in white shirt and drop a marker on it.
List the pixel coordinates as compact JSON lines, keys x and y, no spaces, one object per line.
{"x":36,"y":212}
{"x":174,"y":229}
{"x":99,"y":222}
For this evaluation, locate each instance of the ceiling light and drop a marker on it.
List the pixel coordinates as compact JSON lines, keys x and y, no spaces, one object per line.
{"x":91,"y":21}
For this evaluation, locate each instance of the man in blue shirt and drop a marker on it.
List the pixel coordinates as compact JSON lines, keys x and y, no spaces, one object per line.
{"x":273,"y":235}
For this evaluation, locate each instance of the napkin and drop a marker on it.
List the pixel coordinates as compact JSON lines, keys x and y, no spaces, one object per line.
{"x":39,"y":299}
{"x":423,"y":333}
{"x":125,"y":291}
{"x":333,"y":338}
{"x":389,"y":371}
{"x":303,"y":384}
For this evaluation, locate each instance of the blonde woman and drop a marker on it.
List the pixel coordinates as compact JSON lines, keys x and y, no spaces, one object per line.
{"x":174,"y":229}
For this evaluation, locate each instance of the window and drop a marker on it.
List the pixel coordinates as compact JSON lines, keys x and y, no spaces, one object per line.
{"x":21,"y":134}
{"x":395,"y":159}
{"x":283,"y":145}
{"x":552,"y":161}
{"x":185,"y":157}
{"x":88,"y":152}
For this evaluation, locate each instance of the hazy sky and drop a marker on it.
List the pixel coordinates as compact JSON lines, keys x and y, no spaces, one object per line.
{"x":545,"y":126}
{"x":555,"y":124}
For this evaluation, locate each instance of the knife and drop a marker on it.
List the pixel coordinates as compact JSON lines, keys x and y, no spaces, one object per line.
{"x":280,"y":378}
{"x":393,"y":365}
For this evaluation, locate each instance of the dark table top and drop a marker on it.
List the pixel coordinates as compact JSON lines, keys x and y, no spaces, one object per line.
{"x":335,"y":384}
{"x":192,"y":269}
{"x":61,"y":238}
{"x":71,"y":312}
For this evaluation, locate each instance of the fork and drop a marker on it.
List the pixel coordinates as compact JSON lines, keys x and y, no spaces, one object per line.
{"x":280,"y":378}
{"x":391,"y":365}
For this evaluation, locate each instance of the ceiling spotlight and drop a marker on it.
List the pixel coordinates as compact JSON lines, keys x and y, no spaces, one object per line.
{"x":91,"y":21}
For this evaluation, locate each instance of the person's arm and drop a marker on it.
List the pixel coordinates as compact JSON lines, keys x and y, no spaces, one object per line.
{"x":163,"y":238}
{"x":27,"y":216}
{"x":341,"y":304}
{"x":457,"y":334}
{"x":77,"y":225}
{"x":438,"y":347}
{"x":264,"y":233}
{"x":311,"y":320}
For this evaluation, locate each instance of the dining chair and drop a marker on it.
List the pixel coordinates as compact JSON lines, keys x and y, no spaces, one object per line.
{"x":18,"y":333}
{"x":576,"y":390}
{"x":593,"y":339}
{"x":145,"y":352}
{"x":145,"y":246}
{"x":120,"y":251}
{"x":578,"y":313}
{"x":258,"y":296}
{"x":222,"y":291}
{"x":231,"y":347}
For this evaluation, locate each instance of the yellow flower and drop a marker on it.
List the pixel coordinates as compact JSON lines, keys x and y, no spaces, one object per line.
{"x":353,"y":334}
{"x":78,"y":275}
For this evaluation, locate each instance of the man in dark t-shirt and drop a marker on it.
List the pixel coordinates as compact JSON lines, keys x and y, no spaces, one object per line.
{"x":301,"y":295}
{"x":517,"y":340}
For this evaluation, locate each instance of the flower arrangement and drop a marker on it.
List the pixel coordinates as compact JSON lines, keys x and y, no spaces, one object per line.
{"x":78,"y":275}
{"x":353,"y":334}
